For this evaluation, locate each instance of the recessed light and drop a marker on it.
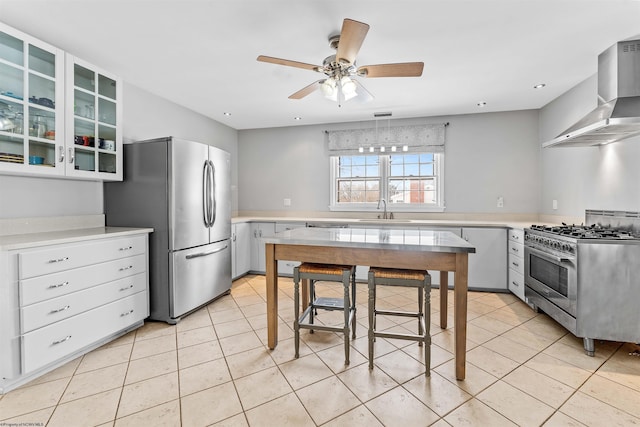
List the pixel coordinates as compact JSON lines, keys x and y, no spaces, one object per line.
{"x":539,"y":86}
{"x":482,"y":104}
{"x":226,"y":113}
{"x":297,"y":118}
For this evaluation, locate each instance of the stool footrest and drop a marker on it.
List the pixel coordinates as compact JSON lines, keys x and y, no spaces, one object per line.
{"x":303,"y":324}
{"x":329,"y":303}
{"x":411,"y":337}
{"x":397,"y":313}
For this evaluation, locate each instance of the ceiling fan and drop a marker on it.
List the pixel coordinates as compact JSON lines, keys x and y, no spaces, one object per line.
{"x":340,"y":69}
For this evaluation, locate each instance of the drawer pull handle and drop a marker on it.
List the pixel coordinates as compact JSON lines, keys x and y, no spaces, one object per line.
{"x":67,"y":338}
{"x":515,"y":283}
{"x":126,"y":268}
{"x":59,"y":285}
{"x":514,"y":249}
{"x":127,"y":313}
{"x":66,"y":307}
{"x":52,"y":261}
{"x":516,"y":264}
{"x":126,"y":248}
{"x":126,"y":288}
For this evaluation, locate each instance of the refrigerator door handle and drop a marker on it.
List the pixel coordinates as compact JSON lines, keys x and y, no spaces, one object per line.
{"x":205,"y":198}
{"x":201,"y":254}
{"x":212,"y":194}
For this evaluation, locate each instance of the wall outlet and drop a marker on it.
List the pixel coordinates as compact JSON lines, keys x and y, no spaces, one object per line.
{"x":554,"y":204}
{"x":500,"y":203}
{"x":287,"y":202}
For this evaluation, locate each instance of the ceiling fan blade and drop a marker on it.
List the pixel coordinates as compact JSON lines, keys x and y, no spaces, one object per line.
{"x":351,"y":38}
{"x":363,"y":93}
{"x":288,"y":63}
{"x":306,"y":90}
{"x":403,"y":69}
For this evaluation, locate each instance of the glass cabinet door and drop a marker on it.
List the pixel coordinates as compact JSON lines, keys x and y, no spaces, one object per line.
{"x":31,"y":105}
{"x":95,"y":145}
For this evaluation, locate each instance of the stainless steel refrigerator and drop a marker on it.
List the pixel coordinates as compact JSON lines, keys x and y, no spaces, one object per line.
{"x":183,"y":190}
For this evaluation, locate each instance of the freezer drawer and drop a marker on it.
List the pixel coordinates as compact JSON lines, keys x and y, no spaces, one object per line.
{"x":199,"y":275}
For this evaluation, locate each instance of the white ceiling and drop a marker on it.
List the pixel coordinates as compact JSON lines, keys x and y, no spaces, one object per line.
{"x":202,"y":53}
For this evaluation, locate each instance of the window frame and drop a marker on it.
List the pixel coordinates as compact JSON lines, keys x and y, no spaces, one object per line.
{"x":384,"y":173}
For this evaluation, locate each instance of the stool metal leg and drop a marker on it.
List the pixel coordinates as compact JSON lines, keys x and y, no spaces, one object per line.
{"x":427,"y":325}
{"x":346,"y":282}
{"x":353,"y":302}
{"x":296,"y":303}
{"x":312,"y":296}
{"x":372,"y":309}
{"x":420,"y":312}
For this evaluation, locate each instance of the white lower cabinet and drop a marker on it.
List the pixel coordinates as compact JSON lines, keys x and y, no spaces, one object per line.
{"x":258,"y":231}
{"x":240,"y":249}
{"x":488,"y":265}
{"x":62,"y":300}
{"x":285,"y":268}
{"x":516,"y":262}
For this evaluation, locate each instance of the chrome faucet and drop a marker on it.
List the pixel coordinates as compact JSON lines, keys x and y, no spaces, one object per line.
{"x":384,"y":214}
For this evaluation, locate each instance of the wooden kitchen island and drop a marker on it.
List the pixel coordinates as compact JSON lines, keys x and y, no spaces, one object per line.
{"x":394,"y":248}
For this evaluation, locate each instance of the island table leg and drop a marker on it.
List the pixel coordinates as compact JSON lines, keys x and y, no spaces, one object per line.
{"x":460,"y":313}
{"x":271,"y":274}
{"x":444,"y":289}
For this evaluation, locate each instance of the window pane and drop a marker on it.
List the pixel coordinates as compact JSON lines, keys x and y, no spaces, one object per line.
{"x":426,"y":169}
{"x":426,"y":158}
{"x":358,"y":160}
{"x":411,"y":158}
{"x":345,"y":161}
{"x":411,"y":170}
{"x":372,"y":171}
{"x":397,"y":170}
{"x":344,"y":191}
{"x":358,"y":171}
{"x":345,"y":171}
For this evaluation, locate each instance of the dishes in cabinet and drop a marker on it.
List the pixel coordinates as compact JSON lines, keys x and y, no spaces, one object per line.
{"x":11,"y":158}
{"x":36,"y":160}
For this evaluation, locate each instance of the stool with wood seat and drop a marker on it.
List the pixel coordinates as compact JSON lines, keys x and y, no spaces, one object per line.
{"x":325,"y":273}
{"x":407,"y":278}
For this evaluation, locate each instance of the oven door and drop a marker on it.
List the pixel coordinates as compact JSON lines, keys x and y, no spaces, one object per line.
{"x":553,"y":277}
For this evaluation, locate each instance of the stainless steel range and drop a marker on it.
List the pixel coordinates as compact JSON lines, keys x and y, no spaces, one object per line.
{"x":587,"y":277}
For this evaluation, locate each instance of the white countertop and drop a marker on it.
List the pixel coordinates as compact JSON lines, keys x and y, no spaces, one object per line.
{"x":395,"y":223}
{"x":30,"y":240}
{"x":374,"y":238}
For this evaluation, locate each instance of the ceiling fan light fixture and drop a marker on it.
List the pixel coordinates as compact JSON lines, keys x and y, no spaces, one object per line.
{"x":348,"y":88}
{"x":329,"y":89}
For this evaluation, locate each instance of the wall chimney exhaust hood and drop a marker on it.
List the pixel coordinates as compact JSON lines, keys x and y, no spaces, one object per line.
{"x":618,"y":113}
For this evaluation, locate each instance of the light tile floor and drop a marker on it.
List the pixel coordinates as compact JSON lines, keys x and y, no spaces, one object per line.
{"x":213,"y":368}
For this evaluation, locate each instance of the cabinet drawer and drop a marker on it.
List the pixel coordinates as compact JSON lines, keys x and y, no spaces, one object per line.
{"x":60,"y":339}
{"x":284,"y":226}
{"x":57,"y":284}
{"x":516,"y":249}
{"x":56,"y":258}
{"x":46,"y":312}
{"x":516,"y":284}
{"x":516,"y":235}
{"x":516,"y":263}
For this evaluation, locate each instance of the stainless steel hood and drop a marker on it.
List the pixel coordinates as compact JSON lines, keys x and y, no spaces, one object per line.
{"x":618,"y":113}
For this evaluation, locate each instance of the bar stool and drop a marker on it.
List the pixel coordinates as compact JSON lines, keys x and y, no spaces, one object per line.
{"x":326,"y":273}
{"x":407,"y":278}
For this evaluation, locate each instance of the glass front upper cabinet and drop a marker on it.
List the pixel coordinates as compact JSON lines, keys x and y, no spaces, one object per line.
{"x":94,"y":142}
{"x":31,"y":105}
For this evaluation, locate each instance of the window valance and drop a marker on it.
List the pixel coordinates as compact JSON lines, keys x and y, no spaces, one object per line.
{"x":428,"y":138}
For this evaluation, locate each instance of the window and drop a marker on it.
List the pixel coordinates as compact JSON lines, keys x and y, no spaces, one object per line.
{"x":408,"y":182}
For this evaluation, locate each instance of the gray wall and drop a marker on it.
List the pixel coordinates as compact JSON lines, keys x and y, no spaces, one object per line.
{"x":487,"y":155}
{"x":579,"y":178}
{"x":145,"y":116}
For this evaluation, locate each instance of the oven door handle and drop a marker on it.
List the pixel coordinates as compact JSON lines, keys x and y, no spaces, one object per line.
{"x":551,"y":257}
